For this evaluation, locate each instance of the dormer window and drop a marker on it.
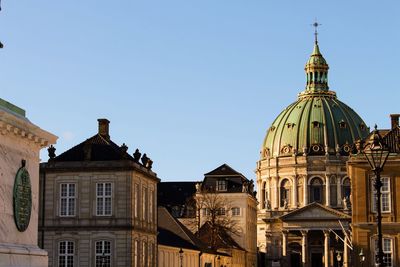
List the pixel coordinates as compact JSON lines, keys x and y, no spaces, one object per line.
{"x":272,"y":128}
{"x":362,"y":127}
{"x":316,"y":124}
{"x":342,"y":124}
{"x":290,"y":125}
{"x":221,"y":185}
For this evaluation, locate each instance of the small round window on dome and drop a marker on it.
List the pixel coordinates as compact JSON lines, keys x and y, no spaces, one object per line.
{"x":316,"y":148}
{"x":347,"y":148}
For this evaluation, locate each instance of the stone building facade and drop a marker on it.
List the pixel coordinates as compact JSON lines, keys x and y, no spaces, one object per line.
{"x":364,"y":224}
{"x":20,"y":143}
{"x":98,"y":205}
{"x":303,"y":187}
{"x":237,"y":192}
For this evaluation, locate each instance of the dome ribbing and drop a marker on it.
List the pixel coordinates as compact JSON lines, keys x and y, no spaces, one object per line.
{"x":317,"y":123}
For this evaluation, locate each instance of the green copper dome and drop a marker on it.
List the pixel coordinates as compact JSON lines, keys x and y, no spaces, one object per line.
{"x":317,"y":123}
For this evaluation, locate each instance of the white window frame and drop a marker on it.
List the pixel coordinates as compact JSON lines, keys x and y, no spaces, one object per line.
{"x":235,"y":211}
{"x":385,"y":195}
{"x":206,"y":212}
{"x":68,"y":210}
{"x":222,"y":185}
{"x":101,"y":211}
{"x":65,"y":255}
{"x":386,"y":251}
{"x":103,"y":253}
{"x":221,"y":212}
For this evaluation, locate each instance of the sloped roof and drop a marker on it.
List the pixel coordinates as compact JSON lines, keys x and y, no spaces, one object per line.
{"x":392,"y":139}
{"x":169,"y":238}
{"x":224,"y":170}
{"x":96,"y":148}
{"x":223,"y":239}
{"x":315,"y":212}
{"x":174,"y":233}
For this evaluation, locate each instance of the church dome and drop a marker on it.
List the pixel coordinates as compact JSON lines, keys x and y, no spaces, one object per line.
{"x":318,"y":123}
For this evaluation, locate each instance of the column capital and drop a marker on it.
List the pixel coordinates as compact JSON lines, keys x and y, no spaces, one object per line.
{"x":326,"y":232}
{"x":304,"y":232}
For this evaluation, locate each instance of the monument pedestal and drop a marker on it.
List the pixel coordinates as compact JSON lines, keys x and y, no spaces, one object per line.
{"x":22,"y":256}
{"x":20,"y":143}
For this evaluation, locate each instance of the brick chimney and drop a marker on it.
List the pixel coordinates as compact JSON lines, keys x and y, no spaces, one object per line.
{"x":104,"y":128}
{"x":395,"y":120}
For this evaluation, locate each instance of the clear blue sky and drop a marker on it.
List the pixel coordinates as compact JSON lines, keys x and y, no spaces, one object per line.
{"x":194,"y":84}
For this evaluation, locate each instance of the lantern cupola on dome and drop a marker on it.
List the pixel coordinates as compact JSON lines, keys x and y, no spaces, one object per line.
{"x":316,"y":68}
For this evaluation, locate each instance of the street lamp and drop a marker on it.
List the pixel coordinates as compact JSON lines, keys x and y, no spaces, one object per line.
{"x":377,"y":152}
{"x":362,"y":257}
{"x":338,"y":258}
{"x":181,"y":256}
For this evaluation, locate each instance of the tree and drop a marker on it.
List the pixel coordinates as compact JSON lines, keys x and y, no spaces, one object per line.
{"x":214,"y":210}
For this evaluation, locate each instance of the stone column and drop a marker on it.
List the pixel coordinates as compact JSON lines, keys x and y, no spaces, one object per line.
{"x":284,"y":243}
{"x":304,"y":248}
{"x":305,"y":189}
{"x":339,"y":191}
{"x":294,"y":195}
{"x":346,"y":252}
{"x":328,"y":191}
{"x":326,"y":248}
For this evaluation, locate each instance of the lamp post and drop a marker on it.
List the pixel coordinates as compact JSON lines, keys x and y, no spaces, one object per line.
{"x":362,"y":257}
{"x":377,"y":152}
{"x":181,"y":256}
{"x":338,"y":258}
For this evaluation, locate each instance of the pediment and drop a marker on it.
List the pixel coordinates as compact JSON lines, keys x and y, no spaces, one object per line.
{"x":315,"y":212}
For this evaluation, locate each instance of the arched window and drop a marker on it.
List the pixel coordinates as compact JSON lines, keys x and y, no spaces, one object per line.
{"x":316,"y":190}
{"x":285,"y":193}
{"x":346,"y":188}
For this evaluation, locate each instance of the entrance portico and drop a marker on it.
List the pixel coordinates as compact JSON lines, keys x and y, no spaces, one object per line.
{"x":308,"y":237}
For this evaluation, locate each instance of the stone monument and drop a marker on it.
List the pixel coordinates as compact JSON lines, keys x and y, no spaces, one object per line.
{"x":20,"y":143}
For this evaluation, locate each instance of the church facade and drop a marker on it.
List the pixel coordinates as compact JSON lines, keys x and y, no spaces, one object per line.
{"x":303,"y":188}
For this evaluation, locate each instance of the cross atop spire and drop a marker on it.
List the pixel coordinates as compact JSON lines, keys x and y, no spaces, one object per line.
{"x":316,"y":25}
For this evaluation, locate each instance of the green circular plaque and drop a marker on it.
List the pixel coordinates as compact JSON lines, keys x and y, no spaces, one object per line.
{"x":22,"y":198}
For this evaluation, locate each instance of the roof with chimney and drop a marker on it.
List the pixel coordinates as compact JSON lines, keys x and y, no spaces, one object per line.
{"x":96,"y":148}
{"x":99,"y":147}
